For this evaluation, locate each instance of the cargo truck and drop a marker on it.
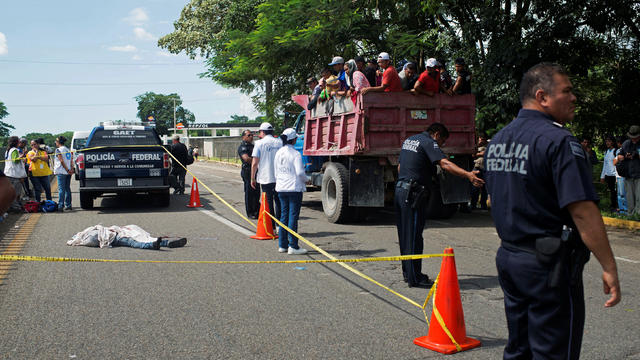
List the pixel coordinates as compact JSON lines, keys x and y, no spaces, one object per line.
{"x":352,"y":153}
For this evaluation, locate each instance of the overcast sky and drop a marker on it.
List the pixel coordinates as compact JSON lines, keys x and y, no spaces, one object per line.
{"x":67,"y":65}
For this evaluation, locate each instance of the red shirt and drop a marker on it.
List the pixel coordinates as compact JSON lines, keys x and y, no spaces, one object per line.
{"x":428,"y":83}
{"x":391,"y":79}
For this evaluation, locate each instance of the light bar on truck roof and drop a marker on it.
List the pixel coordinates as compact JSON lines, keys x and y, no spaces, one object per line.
{"x":118,"y":127}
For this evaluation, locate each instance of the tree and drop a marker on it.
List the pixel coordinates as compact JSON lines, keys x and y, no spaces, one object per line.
{"x":268,"y":47}
{"x":161,"y":107}
{"x":5,"y":129}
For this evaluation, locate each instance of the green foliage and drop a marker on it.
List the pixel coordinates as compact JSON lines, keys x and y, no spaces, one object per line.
{"x":49,"y":139}
{"x":161,"y":107}
{"x":5,"y":129}
{"x":268,"y":47}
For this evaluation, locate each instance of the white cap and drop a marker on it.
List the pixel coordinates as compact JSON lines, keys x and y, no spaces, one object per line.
{"x":432,"y":62}
{"x":336,"y":60}
{"x":384,"y":56}
{"x":290,"y":134}
{"x":265,"y":126}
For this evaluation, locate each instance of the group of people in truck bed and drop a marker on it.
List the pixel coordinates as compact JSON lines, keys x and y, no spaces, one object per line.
{"x":357,"y":76}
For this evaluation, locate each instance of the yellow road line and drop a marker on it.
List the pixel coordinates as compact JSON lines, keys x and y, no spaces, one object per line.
{"x":17,"y":243}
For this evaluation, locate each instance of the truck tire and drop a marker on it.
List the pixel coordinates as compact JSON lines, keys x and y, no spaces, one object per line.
{"x":86,"y":200}
{"x":335,"y":196}
{"x":436,"y":209}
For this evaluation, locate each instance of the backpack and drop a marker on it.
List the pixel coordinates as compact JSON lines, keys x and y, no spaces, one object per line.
{"x":49,"y":206}
{"x":622,"y":168}
{"x":31,"y":206}
{"x":189,"y":159}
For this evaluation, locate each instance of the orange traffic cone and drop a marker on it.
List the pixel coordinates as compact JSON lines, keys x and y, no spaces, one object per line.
{"x":448,"y":305}
{"x":265,"y":224}
{"x":195,"y":195}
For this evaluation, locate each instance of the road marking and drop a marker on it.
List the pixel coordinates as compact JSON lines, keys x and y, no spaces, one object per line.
{"x":627,"y":260}
{"x":14,"y":247}
{"x":230,"y":224}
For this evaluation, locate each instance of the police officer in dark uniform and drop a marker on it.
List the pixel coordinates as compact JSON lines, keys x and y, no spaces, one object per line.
{"x":180,"y":152}
{"x":417,"y":165}
{"x":251,"y":195}
{"x":541,"y":189}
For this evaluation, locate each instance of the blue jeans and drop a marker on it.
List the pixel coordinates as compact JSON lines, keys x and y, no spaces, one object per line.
{"x":125,"y":241}
{"x":39,"y":183}
{"x":64,"y":191}
{"x":290,"y":203}
{"x":622,"y":195}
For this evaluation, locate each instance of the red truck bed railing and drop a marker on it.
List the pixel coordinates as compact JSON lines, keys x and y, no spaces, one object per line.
{"x":379,"y":123}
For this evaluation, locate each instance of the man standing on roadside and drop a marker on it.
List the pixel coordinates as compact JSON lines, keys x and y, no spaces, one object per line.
{"x":180,"y":152}
{"x":630,"y":154}
{"x":262,"y":170}
{"x":251,"y":195}
{"x":544,"y":206}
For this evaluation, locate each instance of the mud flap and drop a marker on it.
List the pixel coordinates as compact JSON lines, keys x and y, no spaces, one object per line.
{"x":366,"y":183}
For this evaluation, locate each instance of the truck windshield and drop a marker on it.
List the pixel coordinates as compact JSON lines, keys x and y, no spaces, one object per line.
{"x":123,"y":137}
{"x":79,"y":143}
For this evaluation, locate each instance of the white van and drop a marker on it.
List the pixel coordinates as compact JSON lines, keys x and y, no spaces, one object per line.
{"x":78,"y":142}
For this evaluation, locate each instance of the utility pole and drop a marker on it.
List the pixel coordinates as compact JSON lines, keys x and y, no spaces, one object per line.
{"x":174,"y":116}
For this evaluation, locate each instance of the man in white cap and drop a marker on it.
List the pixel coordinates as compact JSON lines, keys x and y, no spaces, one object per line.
{"x":262,"y":171}
{"x":290,"y":183}
{"x":429,"y":81}
{"x":390,"y":80}
{"x":337,"y":63}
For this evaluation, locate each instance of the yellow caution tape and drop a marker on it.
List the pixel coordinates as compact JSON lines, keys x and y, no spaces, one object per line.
{"x":64,"y":259}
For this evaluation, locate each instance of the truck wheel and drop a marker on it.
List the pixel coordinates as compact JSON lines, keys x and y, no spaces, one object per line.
{"x":86,"y":200}
{"x":436,"y":209}
{"x":335,"y":197}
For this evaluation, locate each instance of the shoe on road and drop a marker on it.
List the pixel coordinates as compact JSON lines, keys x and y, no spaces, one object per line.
{"x":299,"y":251}
{"x":282,"y":250}
{"x":172,"y":242}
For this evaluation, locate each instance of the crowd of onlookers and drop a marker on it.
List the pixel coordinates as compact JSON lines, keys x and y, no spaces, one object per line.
{"x":620,"y":170}
{"x":29,"y":169}
{"x":359,"y":76}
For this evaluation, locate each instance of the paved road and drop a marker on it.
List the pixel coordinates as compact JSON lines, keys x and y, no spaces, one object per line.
{"x":316,"y":311}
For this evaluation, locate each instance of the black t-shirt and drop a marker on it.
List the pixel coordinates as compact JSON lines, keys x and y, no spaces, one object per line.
{"x":418,"y":158}
{"x":179,"y":150}
{"x":634,"y":163}
{"x":370,"y":74}
{"x":245,"y":148}
{"x":534,"y":168}
{"x":465,"y":88}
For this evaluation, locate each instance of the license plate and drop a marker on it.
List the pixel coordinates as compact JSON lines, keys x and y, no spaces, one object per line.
{"x":125,"y":182}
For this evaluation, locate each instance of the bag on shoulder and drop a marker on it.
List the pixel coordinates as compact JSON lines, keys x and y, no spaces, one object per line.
{"x":622,"y":168}
{"x":189,"y":159}
{"x":48,"y":206}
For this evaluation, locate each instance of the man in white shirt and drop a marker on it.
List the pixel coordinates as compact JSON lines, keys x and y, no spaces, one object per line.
{"x":262,"y":171}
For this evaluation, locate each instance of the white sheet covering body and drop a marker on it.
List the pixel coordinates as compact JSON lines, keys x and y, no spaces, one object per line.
{"x":102,"y":236}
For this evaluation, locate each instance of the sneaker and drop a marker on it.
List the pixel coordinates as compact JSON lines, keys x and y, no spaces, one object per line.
{"x":68,"y":208}
{"x":299,"y":251}
{"x":282,"y":250}
{"x":179,"y":242}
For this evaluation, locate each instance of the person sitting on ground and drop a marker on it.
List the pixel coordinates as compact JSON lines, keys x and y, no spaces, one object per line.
{"x":337,"y":63}
{"x":463,"y":82}
{"x":316,"y":89}
{"x":410,"y":76}
{"x":390,"y":79}
{"x":129,"y":235}
{"x":429,"y":81}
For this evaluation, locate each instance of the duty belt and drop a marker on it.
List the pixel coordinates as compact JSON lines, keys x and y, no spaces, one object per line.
{"x":527,"y":246}
{"x":404,"y":184}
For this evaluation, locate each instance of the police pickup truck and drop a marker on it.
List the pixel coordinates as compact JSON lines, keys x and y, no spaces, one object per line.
{"x":123,"y":160}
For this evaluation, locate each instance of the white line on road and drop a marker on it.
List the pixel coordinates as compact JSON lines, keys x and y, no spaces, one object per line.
{"x":230,"y":224}
{"x":627,"y":260}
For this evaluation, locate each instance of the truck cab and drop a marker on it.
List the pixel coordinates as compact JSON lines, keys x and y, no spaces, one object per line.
{"x":123,"y":159}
